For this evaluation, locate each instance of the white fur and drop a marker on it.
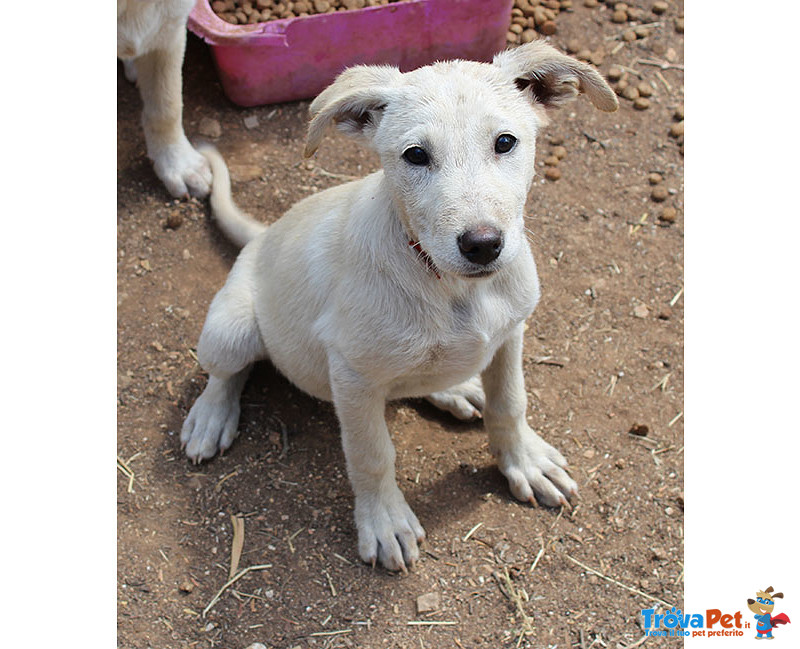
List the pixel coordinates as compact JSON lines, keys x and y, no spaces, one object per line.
{"x":335,"y":297}
{"x":151,"y":39}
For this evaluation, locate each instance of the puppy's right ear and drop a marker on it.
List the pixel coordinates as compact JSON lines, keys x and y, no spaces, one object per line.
{"x":353,"y":102}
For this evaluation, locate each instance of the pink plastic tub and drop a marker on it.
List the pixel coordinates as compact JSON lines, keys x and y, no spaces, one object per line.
{"x":295,"y":58}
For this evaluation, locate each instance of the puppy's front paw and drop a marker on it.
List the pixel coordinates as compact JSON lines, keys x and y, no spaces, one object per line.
{"x":535,"y":471}
{"x":464,"y":401}
{"x":211,"y":426}
{"x":388,"y":531}
{"x":183,"y":170}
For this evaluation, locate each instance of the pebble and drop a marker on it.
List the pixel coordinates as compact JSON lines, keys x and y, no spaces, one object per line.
{"x":245,"y":173}
{"x":641,"y":311}
{"x":676,"y":130}
{"x":640,"y":430}
{"x":552,"y":173}
{"x":186,"y":587}
{"x":428,"y":602}
{"x":257,"y":645}
{"x":660,"y":554}
{"x":641,"y":103}
{"x":209,"y":127}
{"x":660,"y":7}
{"x":251,"y":121}
{"x":668,"y":215}
{"x":655,"y":178}
{"x":659,"y":194}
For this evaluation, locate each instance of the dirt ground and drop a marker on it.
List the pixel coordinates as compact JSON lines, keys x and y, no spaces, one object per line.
{"x":603,"y":355}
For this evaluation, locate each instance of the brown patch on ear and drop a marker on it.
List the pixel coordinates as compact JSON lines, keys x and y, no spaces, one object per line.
{"x":554,"y":78}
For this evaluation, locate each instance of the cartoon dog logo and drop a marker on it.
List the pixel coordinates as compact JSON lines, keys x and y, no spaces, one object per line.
{"x":762,"y":607}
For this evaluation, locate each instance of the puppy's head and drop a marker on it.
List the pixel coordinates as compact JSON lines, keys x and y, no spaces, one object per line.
{"x":457,"y":143}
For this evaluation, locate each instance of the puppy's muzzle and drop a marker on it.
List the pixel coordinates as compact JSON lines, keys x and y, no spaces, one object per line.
{"x":481,"y":245}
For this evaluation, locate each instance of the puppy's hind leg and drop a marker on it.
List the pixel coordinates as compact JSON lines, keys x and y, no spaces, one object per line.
{"x":228,"y":347}
{"x":464,"y":401}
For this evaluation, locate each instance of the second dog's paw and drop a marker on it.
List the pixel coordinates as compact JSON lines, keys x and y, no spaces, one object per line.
{"x":388,"y":531}
{"x":464,"y":401}
{"x":183,"y":170}
{"x":536,"y":471}
{"x":211,"y":426}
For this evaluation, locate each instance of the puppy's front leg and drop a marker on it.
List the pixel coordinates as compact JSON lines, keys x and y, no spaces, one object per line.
{"x":388,"y":531}
{"x":532,"y":466}
{"x":182,"y":169}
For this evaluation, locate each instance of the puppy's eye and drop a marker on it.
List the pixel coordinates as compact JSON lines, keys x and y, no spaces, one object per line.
{"x":504,"y":143}
{"x":416,"y":155}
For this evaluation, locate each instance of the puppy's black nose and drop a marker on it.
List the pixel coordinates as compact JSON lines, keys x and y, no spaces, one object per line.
{"x":481,"y":245}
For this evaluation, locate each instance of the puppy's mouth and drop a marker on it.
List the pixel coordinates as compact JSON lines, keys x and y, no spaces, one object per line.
{"x":480,"y":273}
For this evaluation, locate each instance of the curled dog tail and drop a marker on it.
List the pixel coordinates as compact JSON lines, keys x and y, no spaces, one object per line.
{"x":237,"y":225}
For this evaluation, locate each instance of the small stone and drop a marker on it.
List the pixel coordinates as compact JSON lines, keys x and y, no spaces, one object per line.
{"x":645,"y":89}
{"x":620,"y":463}
{"x":186,"y":586}
{"x":245,"y":173}
{"x":257,"y":645}
{"x":251,"y":121}
{"x":668,"y":215}
{"x":660,"y":7}
{"x":640,"y":430}
{"x":641,"y":103}
{"x":560,"y":152}
{"x":428,"y":603}
{"x":655,"y":178}
{"x":659,"y":194}
{"x":676,"y":130}
{"x":641,"y":311}
{"x":552,"y":173}
{"x":660,"y":554}
{"x":209,"y":127}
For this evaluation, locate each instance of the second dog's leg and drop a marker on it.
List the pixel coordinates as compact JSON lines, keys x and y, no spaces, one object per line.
{"x":532,"y":466}
{"x":229,"y":345}
{"x":388,"y":531}
{"x":182,"y":169}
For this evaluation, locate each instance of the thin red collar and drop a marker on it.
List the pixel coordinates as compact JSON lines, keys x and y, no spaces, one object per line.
{"x":424,"y":256}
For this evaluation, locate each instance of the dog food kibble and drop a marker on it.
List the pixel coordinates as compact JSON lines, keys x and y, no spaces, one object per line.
{"x":630,"y":92}
{"x":660,"y":7}
{"x":655,"y":178}
{"x":645,"y":89}
{"x":615,"y":73}
{"x":678,"y":114}
{"x":552,"y":173}
{"x":641,"y":103}
{"x":559,"y":152}
{"x":590,"y":3}
{"x":668,"y":215}
{"x":619,"y":17}
{"x":676,"y":130}
{"x":659,"y":194}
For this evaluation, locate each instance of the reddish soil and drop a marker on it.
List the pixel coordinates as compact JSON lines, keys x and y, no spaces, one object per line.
{"x":603,"y":353}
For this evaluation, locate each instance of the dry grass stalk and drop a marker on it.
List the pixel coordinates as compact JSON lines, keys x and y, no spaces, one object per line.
{"x":237,"y":544}
{"x":232,"y":581}
{"x":611,"y":580}
{"x":674,"y":419}
{"x":430,"y":623}
{"x":471,"y":532}
{"x":319,"y":634}
{"x":516,"y":598}
{"x":127,"y":472}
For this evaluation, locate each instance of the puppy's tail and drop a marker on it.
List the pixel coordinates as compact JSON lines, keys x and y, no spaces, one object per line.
{"x":238,"y":226}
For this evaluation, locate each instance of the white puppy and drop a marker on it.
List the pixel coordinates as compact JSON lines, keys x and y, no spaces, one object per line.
{"x":151,"y":39}
{"x":413,"y":281}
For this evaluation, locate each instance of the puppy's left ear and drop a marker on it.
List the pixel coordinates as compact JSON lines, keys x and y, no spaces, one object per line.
{"x":554,"y":78}
{"x":353,"y":102}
